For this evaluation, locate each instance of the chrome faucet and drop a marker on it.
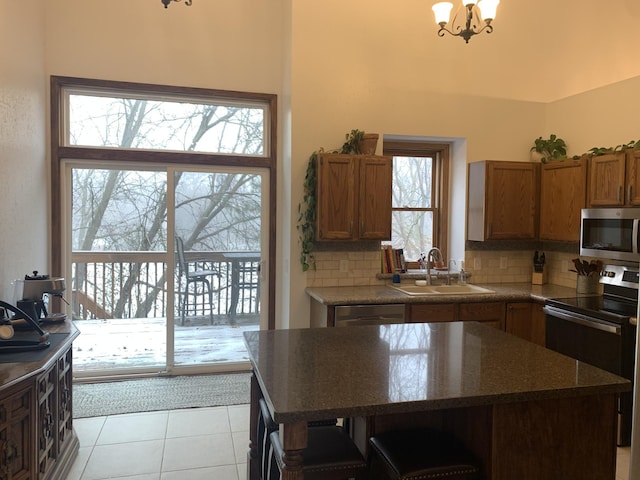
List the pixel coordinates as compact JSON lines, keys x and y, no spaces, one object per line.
{"x":434,"y":255}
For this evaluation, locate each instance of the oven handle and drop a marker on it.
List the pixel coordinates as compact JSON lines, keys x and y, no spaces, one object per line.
{"x":584,"y":320}
{"x":634,"y":236}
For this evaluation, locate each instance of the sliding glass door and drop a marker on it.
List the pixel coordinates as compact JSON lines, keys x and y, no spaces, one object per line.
{"x":165,"y":269}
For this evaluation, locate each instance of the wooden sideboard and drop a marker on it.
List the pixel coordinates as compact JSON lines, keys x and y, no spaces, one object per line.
{"x":37,"y":440}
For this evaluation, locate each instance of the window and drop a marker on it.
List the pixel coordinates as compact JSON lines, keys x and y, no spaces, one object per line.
{"x":420,"y":193}
{"x":122,"y":138}
{"x":162,"y":122}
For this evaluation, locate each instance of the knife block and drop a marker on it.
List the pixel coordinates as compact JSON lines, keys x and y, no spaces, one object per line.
{"x":539,"y":278}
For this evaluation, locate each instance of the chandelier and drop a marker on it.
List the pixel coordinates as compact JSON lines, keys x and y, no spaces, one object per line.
{"x":472,"y":17}
{"x":167,"y":2}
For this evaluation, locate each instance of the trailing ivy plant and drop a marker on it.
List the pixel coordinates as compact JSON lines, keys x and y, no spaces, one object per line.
{"x":307,"y":214}
{"x":307,"y":210}
{"x":599,"y":151}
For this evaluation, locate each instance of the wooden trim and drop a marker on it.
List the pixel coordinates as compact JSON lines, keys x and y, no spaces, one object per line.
{"x":60,"y":152}
{"x":440,"y":152}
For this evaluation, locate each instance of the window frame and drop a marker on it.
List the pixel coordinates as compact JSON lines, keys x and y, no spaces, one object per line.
{"x":440,"y":153}
{"x":61,"y":86}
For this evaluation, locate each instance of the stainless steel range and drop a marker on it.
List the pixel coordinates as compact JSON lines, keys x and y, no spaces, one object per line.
{"x":601,"y":330}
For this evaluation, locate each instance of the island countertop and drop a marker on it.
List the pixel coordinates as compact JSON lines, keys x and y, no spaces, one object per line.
{"x":312,"y":374}
{"x":380,"y":294}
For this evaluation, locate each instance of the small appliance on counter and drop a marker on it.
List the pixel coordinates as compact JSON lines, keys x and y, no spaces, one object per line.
{"x":22,"y":330}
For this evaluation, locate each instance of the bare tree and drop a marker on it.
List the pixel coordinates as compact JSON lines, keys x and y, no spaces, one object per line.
{"x":126,"y":210}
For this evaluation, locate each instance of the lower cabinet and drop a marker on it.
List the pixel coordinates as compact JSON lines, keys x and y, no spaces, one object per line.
{"x":491,"y":313}
{"x":526,"y":320}
{"x":431,"y":312}
{"x":16,"y":427}
{"x":37,"y":441}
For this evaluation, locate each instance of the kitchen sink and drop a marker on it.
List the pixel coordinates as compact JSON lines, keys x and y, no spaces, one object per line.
{"x":442,"y":289}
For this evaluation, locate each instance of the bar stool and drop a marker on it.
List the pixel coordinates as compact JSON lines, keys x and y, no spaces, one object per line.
{"x":330,"y":453}
{"x":420,"y":454}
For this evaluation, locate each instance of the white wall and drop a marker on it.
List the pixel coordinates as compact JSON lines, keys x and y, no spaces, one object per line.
{"x":335,"y":65}
{"x":24,"y":184}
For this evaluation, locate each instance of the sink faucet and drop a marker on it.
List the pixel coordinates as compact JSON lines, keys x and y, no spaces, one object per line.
{"x":434,"y":255}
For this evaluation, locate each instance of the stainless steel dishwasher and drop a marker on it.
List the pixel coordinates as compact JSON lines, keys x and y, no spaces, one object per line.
{"x":351,"y":315}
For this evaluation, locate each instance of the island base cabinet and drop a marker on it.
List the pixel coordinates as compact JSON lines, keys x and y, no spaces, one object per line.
{"x":531,"y":440}
{"x":543,"y":439}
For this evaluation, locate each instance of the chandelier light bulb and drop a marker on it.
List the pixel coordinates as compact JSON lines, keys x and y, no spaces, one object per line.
{"x":488,"y":9}
{"x":466,"y":3}
{"x":442,"y":11}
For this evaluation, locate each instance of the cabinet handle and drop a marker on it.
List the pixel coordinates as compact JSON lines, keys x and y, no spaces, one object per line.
{"x":351,"y":228}
{"x":629,"y":194}
{"x":620,"y":193}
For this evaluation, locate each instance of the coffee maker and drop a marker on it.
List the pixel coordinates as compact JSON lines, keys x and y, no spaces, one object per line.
{"x":34,"y":299}
{"x":16,"y":332}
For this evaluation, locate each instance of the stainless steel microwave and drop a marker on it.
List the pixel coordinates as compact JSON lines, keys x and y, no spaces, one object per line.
{"x":610,"y":233}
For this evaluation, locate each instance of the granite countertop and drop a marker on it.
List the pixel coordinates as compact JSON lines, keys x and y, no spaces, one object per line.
{"x":312,"y":374}
{"x":12,"y":373}
{"x":379,"y":294}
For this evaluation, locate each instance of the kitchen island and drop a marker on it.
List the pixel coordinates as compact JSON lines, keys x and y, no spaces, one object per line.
{"x":524,"y":411}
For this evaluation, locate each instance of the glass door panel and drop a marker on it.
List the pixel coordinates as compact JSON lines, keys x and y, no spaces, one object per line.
{"x":218,"y":239}
{"x":118,"y":270}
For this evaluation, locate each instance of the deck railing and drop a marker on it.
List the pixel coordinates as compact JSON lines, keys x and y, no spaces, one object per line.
{"x":134,"y":284}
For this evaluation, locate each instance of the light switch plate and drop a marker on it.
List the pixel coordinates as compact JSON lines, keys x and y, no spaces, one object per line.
{"x":477,"y":263}
{"x":503,"y":263}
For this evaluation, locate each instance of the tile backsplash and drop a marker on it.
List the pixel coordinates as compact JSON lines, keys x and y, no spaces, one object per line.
{"x":335,"y":269}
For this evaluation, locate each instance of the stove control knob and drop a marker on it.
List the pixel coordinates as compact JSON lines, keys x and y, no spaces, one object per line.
{"x":633,"y":320}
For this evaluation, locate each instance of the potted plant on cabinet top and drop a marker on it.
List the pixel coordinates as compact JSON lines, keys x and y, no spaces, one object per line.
{"x":553,"y":148}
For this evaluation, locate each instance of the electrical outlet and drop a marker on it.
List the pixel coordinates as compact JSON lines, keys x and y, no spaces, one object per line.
{"x":344,"y":266}
{"x":503,"y":263}
{"x":477,"y":263}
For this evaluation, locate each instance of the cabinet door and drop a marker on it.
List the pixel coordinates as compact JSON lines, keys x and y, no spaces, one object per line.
{"x":47,"y":385}
{"x":431,"y":312}
{"x":15,"y":436}
{"x":526,"y":320}
{"x":606,"y":180}
{"x":375,"y":184}
{"x":336,"y":197}
{"x":491,"y":314}
{"x":563,"y":194}
{"x":65,"y":400}
{"x":511,"y":200}
{"x":633,"y":177}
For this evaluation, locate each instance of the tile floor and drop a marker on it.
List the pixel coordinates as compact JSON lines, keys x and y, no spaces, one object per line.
{"x":190,"y":444}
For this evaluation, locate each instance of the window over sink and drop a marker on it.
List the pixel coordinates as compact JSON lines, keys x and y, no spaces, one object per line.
{"x":420,"y":196}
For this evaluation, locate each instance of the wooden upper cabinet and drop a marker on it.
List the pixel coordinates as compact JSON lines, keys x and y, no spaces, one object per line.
{"x":563,"y":194}
{"x":354,"y":197}
{"x":607,"y":180}
{"x":633,"y":177}
{"x":502,"y":200}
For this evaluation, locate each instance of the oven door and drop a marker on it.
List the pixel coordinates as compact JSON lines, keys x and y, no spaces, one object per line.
{"x":600,"y":343}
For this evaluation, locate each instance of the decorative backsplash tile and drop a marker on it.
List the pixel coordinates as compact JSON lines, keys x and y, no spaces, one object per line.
{"x":334,"y":269}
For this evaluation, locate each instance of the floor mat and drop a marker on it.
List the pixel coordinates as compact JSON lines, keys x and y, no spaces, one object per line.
{"x":163,"y":393}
